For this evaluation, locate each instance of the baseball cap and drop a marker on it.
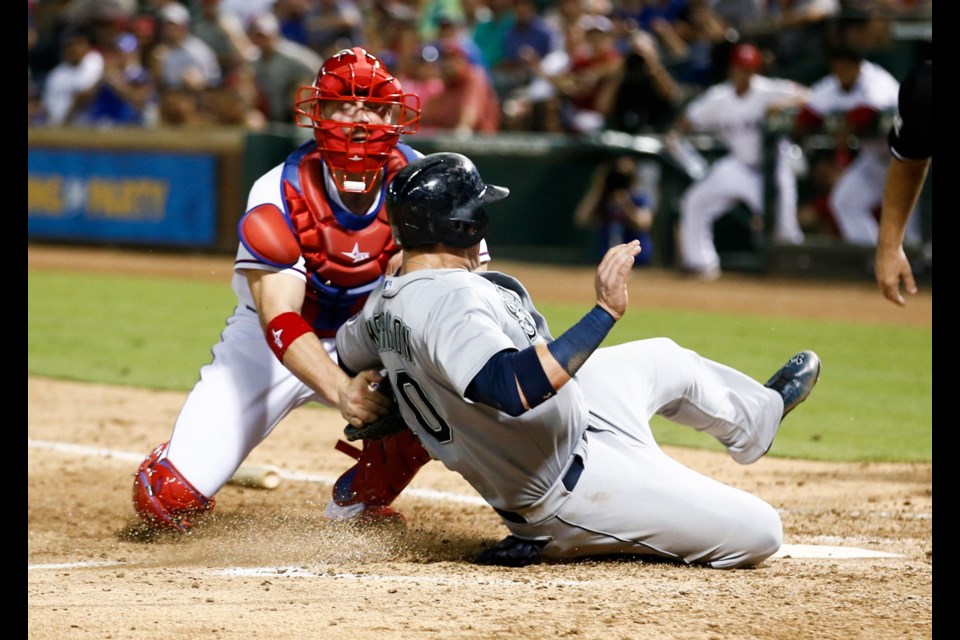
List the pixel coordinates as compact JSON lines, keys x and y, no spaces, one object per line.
{"x":453,"y":50}
{"x":746,"y":56}
{"x":595,"y":23}
{"x":74,"y":32}
{"x":175,"y":13}
{"x":127,"y":42}
{"x":448,"y":19}
{"x":267,"y":23}
{"x":143,"y":25}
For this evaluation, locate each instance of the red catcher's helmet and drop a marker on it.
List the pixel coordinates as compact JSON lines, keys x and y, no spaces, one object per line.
{"x":746,"y":56}
{"x":356,"y":151}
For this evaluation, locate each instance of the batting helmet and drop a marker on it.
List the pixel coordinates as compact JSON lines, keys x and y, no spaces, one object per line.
{"x":356,"y":149}
{"x":439,"y":199}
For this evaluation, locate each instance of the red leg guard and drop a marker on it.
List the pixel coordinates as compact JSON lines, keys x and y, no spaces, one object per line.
{"x":383,"y":470}
{"x":165,"y":499}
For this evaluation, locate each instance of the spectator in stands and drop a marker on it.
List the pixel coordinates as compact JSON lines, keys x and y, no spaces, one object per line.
{"x":186,"y":61}
{"x":801,"y":31}
{"x":617,"y":208}
{"x":647,"y":97}
{"x":332,"y":25}
{"x":743,"y":16}
{"x":653,"y":10}
{"x":236,"y":102}
{"x":560,"y":15}
{"x":703,"y":35}
{"x":530,"y":36}
{"x":247,"y":10}
{"x":538,"y":107}
{"x":47,"y":21}
{"x":185,"y":69}
{"x":468,"y":103}
{"x":127,"y":93}
{"x":432,"y":13}
{"x":412,"y":63}
{"x":36,"y":115}
{"x":491,"y":29}
{"x":588,"y":87}
{"x":661,"y":18}
{"x":225,"y":34}
{"x":144,"y":27}
{"x":450,"y":29}
{"x":292,"y":15}
{"x":280,"y":68}
{"x":382,"y":20}
{"x":71,"y":84}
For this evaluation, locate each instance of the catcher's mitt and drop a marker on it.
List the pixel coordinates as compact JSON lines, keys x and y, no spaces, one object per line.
{"x":383,"y":426}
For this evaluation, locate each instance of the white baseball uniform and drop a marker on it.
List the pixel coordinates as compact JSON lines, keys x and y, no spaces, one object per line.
{"x":582,"y":469}
{"x":738,"y":176}
{"x":859,"y":189}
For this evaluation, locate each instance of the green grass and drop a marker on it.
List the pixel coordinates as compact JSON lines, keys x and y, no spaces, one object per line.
{"x":136,"y":331}
{"x":873,"y":402}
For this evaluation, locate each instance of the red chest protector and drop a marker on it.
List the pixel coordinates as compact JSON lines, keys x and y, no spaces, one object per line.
{"x":345,"y":254}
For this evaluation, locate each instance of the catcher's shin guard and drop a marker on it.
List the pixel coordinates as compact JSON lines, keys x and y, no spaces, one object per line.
{"x":384,"y":468}
{"x":163,"y":498}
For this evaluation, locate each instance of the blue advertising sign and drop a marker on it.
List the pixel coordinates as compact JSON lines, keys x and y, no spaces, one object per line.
{"x":128,"y":197}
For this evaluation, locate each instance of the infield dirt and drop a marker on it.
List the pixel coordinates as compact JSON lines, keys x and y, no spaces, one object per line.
{"x":267,"y":565}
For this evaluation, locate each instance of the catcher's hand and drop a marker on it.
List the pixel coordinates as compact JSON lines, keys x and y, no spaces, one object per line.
{"x":387,"y":424}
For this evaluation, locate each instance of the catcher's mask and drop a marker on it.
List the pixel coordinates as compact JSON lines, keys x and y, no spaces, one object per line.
{"x":439,"y":199}
{"x":357,"y":111}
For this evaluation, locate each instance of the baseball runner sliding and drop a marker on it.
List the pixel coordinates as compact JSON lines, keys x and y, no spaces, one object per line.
{"x":555,"y":433}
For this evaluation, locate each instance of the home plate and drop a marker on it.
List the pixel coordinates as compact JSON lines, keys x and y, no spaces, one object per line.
{"x":826,"y":551}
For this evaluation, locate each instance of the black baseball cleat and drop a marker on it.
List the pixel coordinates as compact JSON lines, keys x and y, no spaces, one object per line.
{"x":796,"y":379}
{"x":512,"y":552}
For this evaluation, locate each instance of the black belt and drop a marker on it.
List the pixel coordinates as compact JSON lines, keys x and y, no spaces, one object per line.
{"x":569,"y":480}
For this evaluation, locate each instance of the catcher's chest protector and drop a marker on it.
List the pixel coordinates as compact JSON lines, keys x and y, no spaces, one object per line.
{"x":345,"y":254}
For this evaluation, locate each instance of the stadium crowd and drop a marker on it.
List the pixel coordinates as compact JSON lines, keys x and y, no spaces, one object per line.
{"x":479,"y":66}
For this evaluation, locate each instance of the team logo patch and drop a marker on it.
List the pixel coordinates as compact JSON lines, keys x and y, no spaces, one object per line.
{"x":513,"y":305}
{"x":355,"y":254}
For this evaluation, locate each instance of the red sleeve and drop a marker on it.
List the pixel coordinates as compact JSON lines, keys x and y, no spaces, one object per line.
{"x":808,"y":120}
{"x":862,"y":119}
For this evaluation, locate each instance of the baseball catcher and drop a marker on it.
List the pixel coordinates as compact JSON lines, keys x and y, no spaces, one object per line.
{"x":314,"y":242}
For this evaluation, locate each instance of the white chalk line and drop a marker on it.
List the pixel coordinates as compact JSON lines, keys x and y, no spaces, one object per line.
{"x":828,"y":551}
{"x":427,"y":494}
{"x":300,"y":572}
{"x":786,"y":550}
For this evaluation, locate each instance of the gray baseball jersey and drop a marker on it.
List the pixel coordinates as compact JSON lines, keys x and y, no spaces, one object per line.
{"x":581,"y":471}
{"x":432,"y":355}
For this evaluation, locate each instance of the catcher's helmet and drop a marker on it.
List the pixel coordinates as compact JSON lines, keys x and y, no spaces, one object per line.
{"x":355,"y":150}
{"x":439,"y":199}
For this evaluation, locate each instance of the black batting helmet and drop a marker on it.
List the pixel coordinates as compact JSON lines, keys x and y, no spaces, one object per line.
{"x":439,"y":199}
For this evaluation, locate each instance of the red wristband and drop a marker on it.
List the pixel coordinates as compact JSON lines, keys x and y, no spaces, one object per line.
{"x":283,"y":330}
